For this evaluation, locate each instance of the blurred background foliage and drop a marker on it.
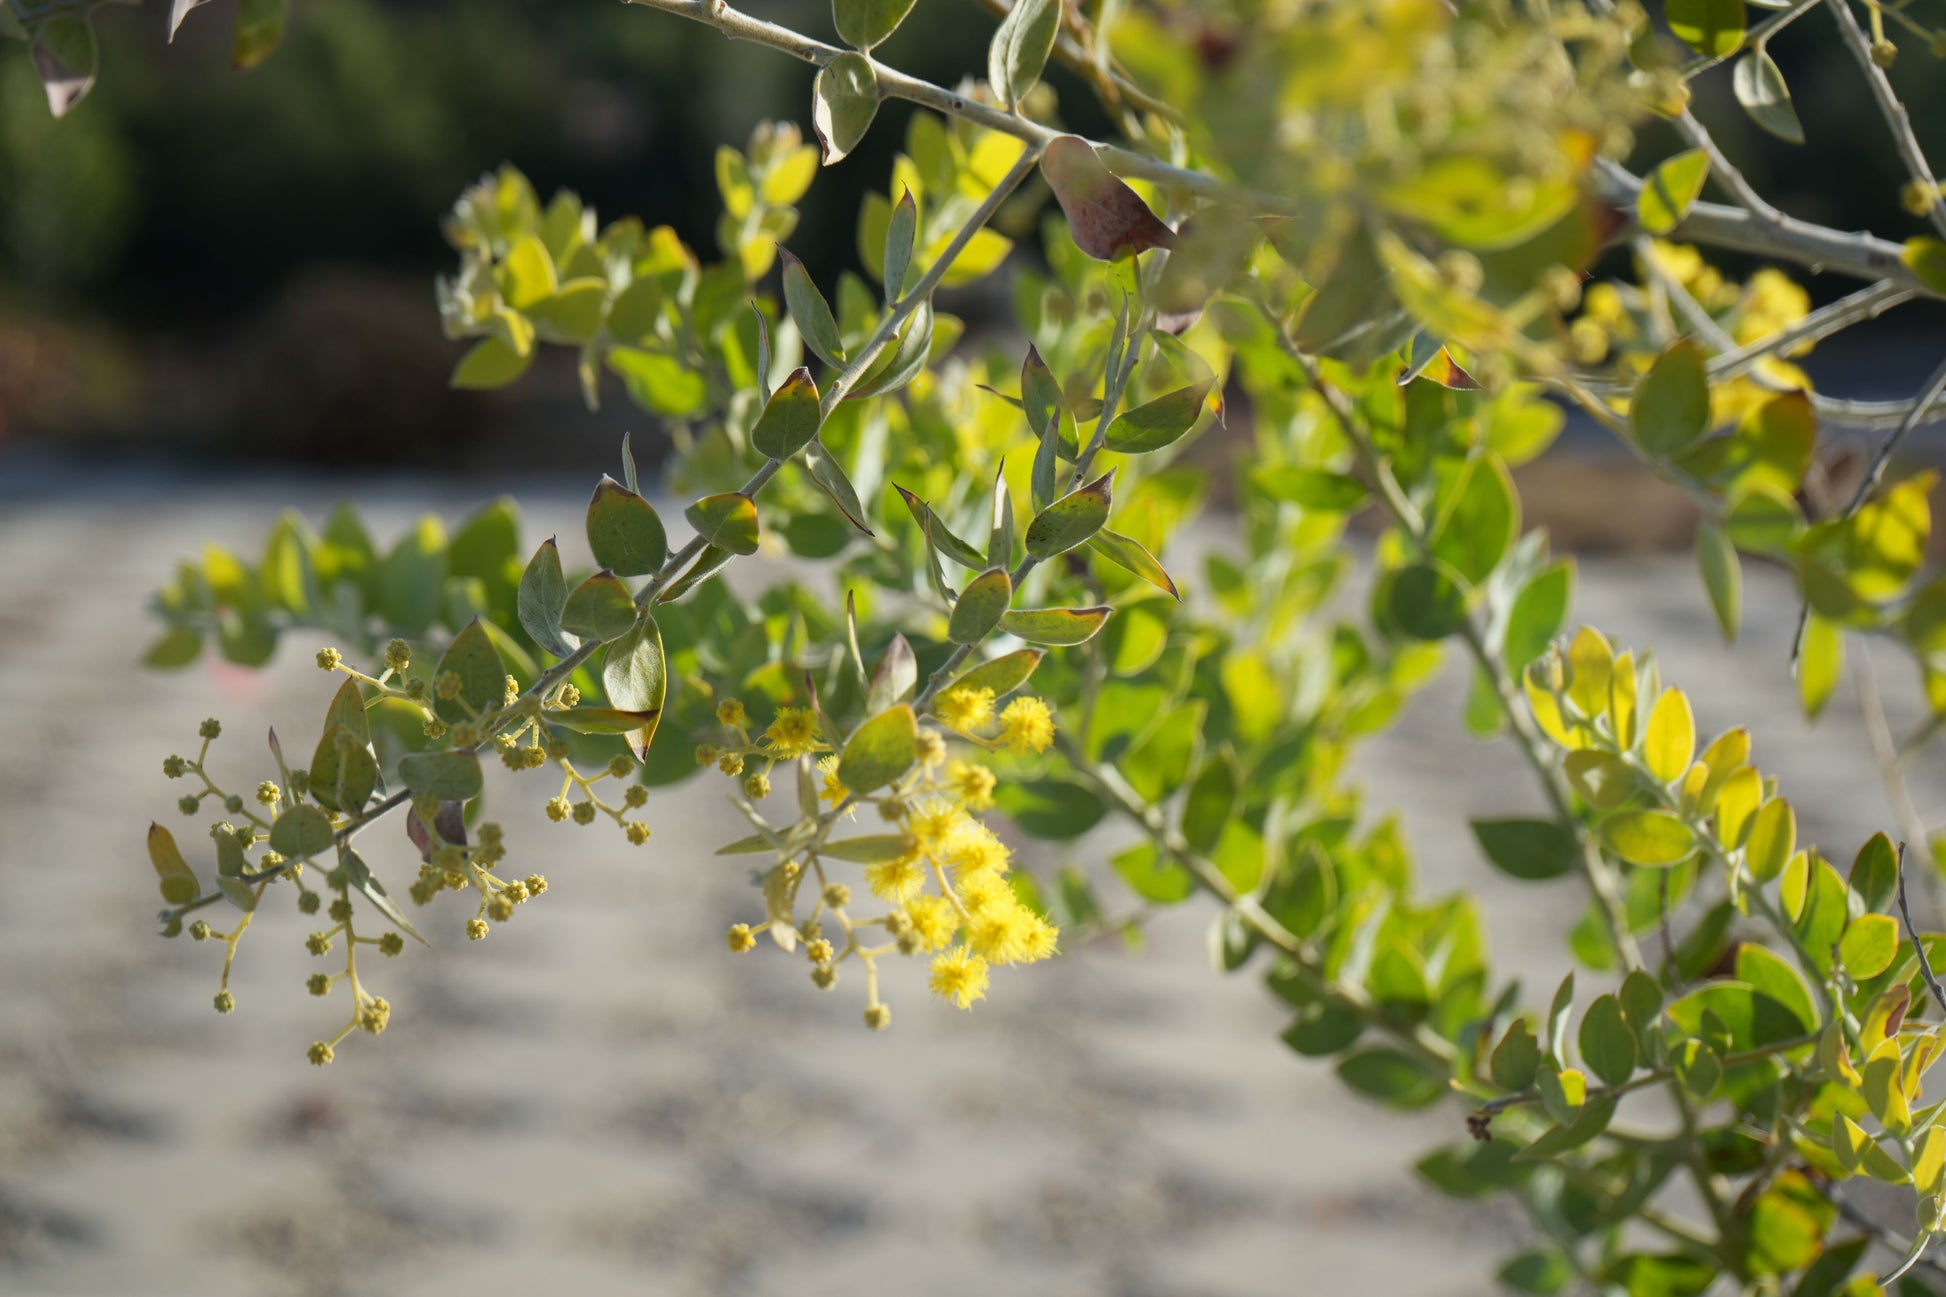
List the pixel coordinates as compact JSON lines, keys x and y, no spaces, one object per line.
{"x":198,"y":261}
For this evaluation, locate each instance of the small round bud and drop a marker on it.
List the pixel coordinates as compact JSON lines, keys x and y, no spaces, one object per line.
{"x":558,"y":809}
{"x":391,"y":944}
{"x":269,"y":794}
{"x":421,"y":891}
{"x":638,"y":833}
{"x":434,"y":728}
{"x":1918,"y":198}
{"x":837,"y":896}
{"x":233,"y":804}
{"x":318,"y":984}
{"x":319,"y":1053}
{"x":448,"y":685}
{"x":730,"y":764}
{"x":1884,"y":53}
{"x":188,"y":805}
{"x":557,"y":749}
{"x":621,"y":765}
{"x":810,"y":929}
{"x":819,"y":951}
{"x":509,"y":690}
{"x":824,"y":977}
{"x":465,"y":734}
{"x":756,"y":785}
{"x":308,"y":902}
{"x":340,"y":910}
{"x":635,"y":797}
{"x":374,"y":1014}
{"x":1462,"y":269}
{"x":225,"y":1002}
{"x":909,"y":943}
{"x":174,"y":767}
{"x":491,"y":834}
{"x":476,"y":929}
{"x":705,"y":754}
{"x":741,"y":938}
{"x":536,"y":884}
{"x":932,"y":748}
{"x":415,"y":688}
{"x":570,"y":696}
{"x":500,"y":909}
{"x":398,"y":655}
{"x":516,"y":891}
{"x":210,"y":729}
{"x":318,"y":943}
{"x":730,"y":712}
{"x":878,"y":1017}
{"x":584,"y":812}
{"x":199,"y":931}
{"x":328,"y":659}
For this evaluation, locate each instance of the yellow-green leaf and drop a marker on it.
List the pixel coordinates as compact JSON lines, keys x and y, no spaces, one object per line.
{"x":173,"y":874}
{"x":1773,"y":839}
{"x":1670,"y":741}
{"x":881,"y":750}
{"x":1650,"y":838}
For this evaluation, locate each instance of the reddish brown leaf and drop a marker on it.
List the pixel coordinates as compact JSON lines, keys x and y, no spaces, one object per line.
{"x":1104,"y":215}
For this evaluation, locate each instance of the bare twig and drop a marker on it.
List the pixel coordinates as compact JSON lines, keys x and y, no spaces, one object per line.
{"x":1918,"y":946}
{"x":1896,"y":118}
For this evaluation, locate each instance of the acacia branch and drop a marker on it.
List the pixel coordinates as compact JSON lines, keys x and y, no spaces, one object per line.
{"x":1897,"y":121}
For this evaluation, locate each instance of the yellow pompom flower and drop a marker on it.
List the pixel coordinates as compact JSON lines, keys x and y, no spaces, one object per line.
{"x":934,"y":920}
{"x":965,"y":710}
{"x":897,"y":880}
{"x":983,"y":890}
{"x":932,"y":824}
{"x":971,"y":848}
{"x":833,"y":792}
{"x":959,"y":975}
{"x":1042,"y":941}
{"x":1001,"y":934}
{"x":972,"y":784}
{"x":1027,"y":725}
{"x":793,"y":734}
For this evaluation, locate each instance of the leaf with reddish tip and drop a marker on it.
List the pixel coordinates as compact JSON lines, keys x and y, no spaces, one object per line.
{"x":727,"y":521}
{"x":1104,"y":215}
{"x":789,"y":422}
{"x":1057,"y":626}
{"x":1129,"y":554}
{"x":1072,"y":519}
{"x":1160,"y":422}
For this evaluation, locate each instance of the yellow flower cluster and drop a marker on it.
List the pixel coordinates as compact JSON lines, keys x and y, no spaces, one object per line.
{"x":1026,"y":723}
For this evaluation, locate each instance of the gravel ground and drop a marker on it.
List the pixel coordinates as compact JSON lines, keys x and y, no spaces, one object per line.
{"x":604,"y":1101}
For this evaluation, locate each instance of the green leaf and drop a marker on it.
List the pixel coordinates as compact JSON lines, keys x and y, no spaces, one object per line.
{"x":1588,"y":1123}
{"x":1544,"y":1273}
{"x":1722,"y":577}
{"x":1713,"y":28}
{"x":624,"y":532}
{"x":844,"y":99}
{"x":938,"y":534}
{"x":633,"y":315}
{"x":1753,"y":1020}
{"x":980,"y":607}
{"x":1869,"y":945}
{"x":1540,"y":611}
{"x":810,"y":312}
{"x":1479,"y":527}
{"x":543,"y":596}
{"x":1130,"y":556}
{"x":1607,"y":1043}
{"x":1151,"y":875}
{"x":1516,"y":1059}
{"x":660,"y":383}
{"x":1072,"y":519}
{"x":1060,"y":627}
{"x":1649,"y":838}
{"x":727,"y":521}
{"x":635,"y":675}
{"x":1212,"y":801}
{"x":1760,"y":88}
{"x":602,"y":720}
{"x":599,"y":609}
{"x":1875,"y":873}
{"x":1040,"y":393}
{"x":177,"y":647}
{"x":790,"y":419}
{"x":1530,"y":850}
{"x":1020,"y":48}
{"x":865,"y":23}
{"x":1669,"y":190}
{"x":1671,"y":405}
{"x":490,"y":363}
{"x":1773,"y":837}
{"x":1391,"y":1077}
{"x":573,"y":314}
{"x":1003,"y":674}
{"x":342,"y":777}
{"x":1160,"y":422}
{"x":173,"y":874}
{"x":1641,"y":999}
{"x":1427,"y":600}
{"x":482,"y":676}
{"x":412,"y":578}
{"x":445,"y":776}
{"x":300,"y":833}
{"x":832,"y":481}
{"x":1648,"y":1275}
{"x":1820,"y":663}
{"x":900,"y":232}
{"x":374,"y":891}
{"x":1783,"y":1235}
{"x":871,"y":849}
{"x":1310,"y":488}
{"x":1159,"y":764}
{"x":881,"y":750}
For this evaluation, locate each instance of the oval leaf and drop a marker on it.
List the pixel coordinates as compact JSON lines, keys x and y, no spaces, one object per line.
{"x":1160,"y":422}
{"x":883,"y":748}
{"x":1072,"y":519}
{"x":980,"y":607}
{"x":790,"y":419}
{"x":624,"y":532}
{"x":1057,"y":626}
{"x":844,"y":99}
{"x":600,"y":608}
{"x":727,"y":521}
